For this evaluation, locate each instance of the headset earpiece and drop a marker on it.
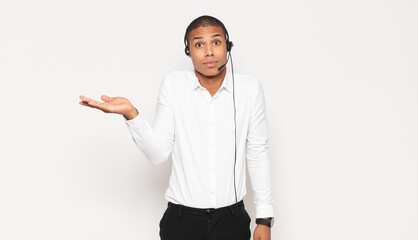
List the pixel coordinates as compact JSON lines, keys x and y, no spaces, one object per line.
{"x":229,"y":45}
{"x":187,"y":50}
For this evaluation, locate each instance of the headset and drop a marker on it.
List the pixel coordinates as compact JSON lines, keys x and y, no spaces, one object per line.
{"x":229,"y":46}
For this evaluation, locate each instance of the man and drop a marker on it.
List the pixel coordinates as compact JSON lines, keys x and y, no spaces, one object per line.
{"x":208,"y":120}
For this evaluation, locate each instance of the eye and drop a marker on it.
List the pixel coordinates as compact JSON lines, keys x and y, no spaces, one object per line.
{"x":198,"y":44}
{"x":217,"y":42}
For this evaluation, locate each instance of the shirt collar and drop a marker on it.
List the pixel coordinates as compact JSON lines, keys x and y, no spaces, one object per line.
{"x":226,"y":83}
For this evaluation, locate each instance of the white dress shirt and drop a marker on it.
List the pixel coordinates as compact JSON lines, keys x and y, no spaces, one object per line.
{"x":198,"y":131}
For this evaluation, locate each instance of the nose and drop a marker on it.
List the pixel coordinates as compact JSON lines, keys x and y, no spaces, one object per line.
{"x":209,"y":51}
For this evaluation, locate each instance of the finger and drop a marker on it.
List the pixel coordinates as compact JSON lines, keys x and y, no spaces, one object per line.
{"x":95,"y":104}
{"x":101,"y":106}
{"x":84,"y":104}
{"x":91,"y":102}
{"x":85,"y":99}
{"x":106,"y":98}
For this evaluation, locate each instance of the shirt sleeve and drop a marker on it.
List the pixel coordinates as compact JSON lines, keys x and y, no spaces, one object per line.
{"x":257,"y":156}
{"x":157,"y":142}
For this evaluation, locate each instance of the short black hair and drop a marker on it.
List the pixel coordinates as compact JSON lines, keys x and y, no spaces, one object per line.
{"x":204,"y":21}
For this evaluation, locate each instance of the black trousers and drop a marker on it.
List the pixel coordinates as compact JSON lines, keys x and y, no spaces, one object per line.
{"x":185,"y":223}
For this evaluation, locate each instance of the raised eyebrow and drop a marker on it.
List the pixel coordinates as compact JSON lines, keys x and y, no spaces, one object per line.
{"x":214,"y":35}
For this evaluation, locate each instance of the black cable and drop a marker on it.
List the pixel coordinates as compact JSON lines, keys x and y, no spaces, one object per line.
{"x":235,"y":129}
{"x":235,"y":142}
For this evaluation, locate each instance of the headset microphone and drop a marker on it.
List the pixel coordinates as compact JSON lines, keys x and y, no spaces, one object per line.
{"x":223,"y":66}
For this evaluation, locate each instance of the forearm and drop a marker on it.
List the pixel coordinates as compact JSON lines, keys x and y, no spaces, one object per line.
{"x":259,"y":174}
{"x":156,"y":148}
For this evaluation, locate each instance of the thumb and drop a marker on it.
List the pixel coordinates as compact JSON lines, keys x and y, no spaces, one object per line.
{"x":106,"y":98}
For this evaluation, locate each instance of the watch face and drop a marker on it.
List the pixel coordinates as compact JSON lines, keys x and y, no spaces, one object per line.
{"x":271,"y":222}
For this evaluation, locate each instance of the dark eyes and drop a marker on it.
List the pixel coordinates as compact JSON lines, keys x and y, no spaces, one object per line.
{"x":216,"y":42}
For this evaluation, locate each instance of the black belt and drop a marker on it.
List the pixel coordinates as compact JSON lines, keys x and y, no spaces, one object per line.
{"x":182,"y":208}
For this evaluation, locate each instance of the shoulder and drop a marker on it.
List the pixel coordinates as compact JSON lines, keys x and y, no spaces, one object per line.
{"x":250,"y":82}
{"x":178,"y":75}
{"x":177,"y":79}
{"x":250,"y":88}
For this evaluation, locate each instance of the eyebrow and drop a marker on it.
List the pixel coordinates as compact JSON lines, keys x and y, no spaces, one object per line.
{"x":215,"y":35}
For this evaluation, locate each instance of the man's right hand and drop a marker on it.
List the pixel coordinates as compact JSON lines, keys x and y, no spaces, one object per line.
{"x":119,"y":105}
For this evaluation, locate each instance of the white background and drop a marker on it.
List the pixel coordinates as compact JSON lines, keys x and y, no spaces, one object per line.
{"x":340,"y":81}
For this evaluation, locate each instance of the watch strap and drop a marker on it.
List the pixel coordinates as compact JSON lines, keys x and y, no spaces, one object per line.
{"x":266,"y":222}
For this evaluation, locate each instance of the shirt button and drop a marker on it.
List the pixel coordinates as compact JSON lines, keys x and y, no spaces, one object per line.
{"x":212,"y":192}
{"x":211,"y":169}
{"x":212,"y":146}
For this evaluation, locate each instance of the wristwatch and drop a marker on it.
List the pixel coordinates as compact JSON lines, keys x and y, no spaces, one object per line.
{"x":268,"y":222}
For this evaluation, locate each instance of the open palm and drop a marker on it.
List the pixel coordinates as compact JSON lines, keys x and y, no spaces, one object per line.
{"x":119,"y":105}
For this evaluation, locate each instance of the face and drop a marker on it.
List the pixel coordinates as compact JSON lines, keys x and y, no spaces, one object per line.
{"x":207,"y":49}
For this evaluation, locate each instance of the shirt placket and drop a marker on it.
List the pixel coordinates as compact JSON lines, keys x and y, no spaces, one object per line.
{"x":212,"y":137}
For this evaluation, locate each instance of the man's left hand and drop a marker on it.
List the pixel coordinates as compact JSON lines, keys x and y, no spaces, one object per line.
{"x":262,"y":232}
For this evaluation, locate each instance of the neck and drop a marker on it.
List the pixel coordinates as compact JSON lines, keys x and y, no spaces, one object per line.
{"x":211,"y":81}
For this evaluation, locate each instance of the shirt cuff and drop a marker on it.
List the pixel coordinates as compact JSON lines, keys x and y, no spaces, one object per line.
{"x":135,"y":123}
{"x":264,"y":211}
